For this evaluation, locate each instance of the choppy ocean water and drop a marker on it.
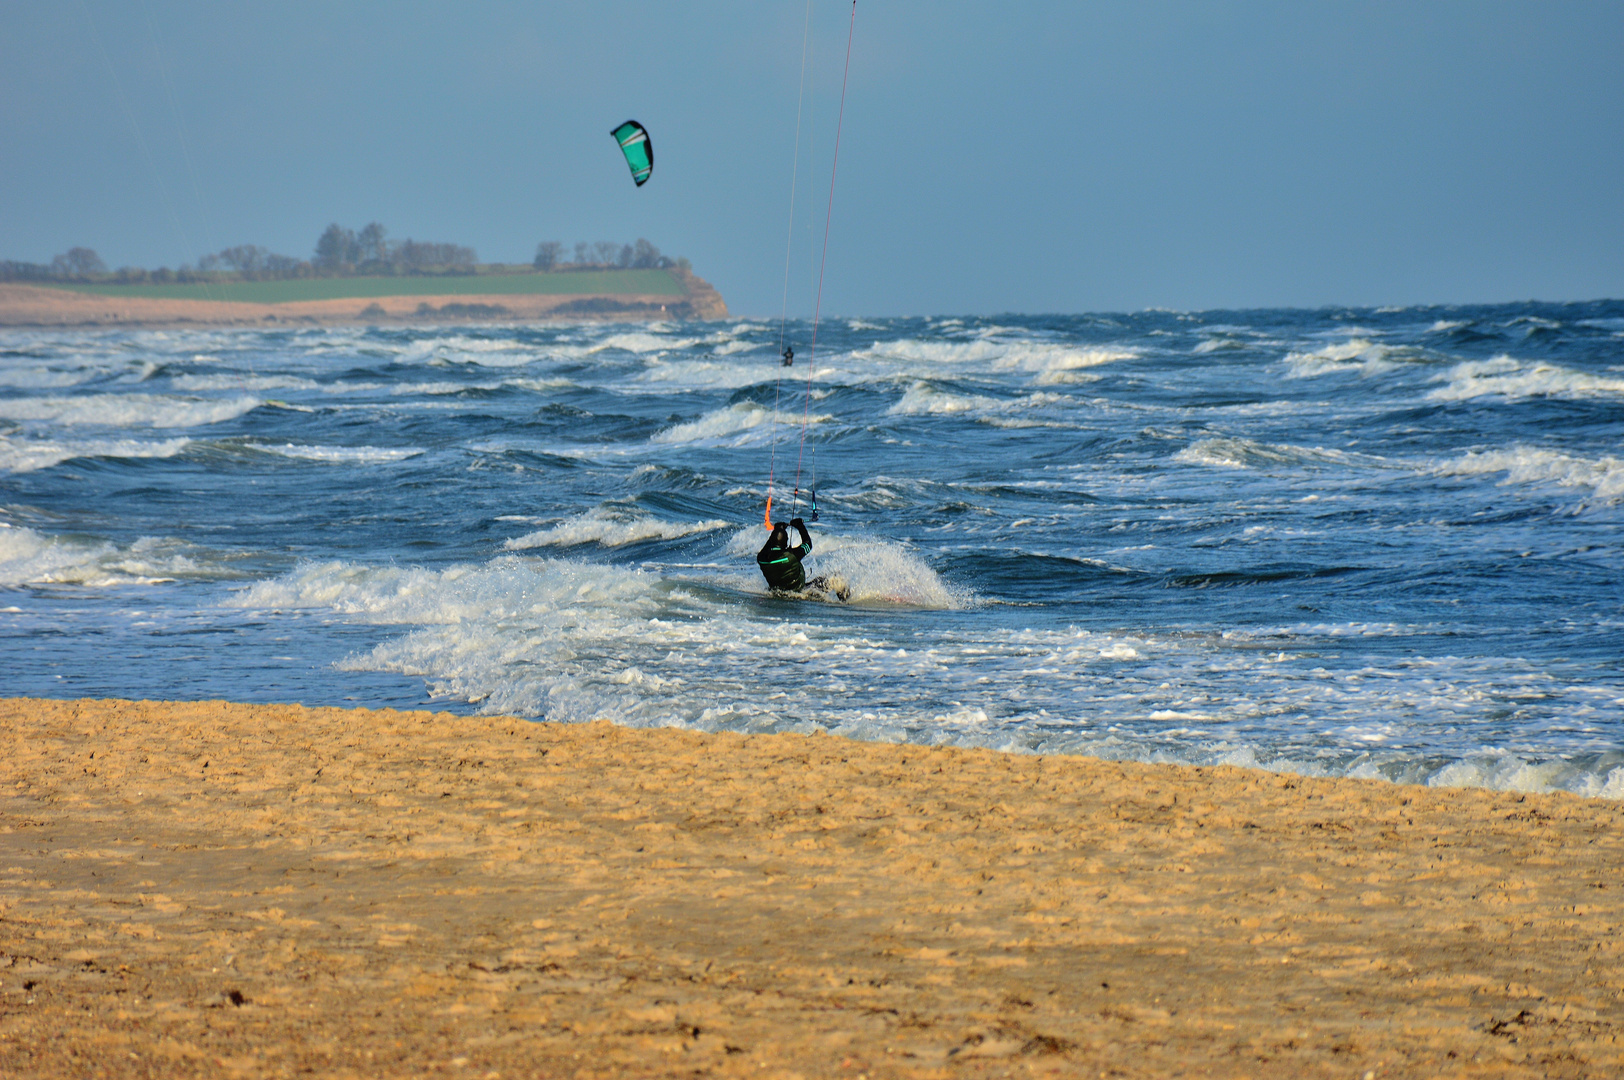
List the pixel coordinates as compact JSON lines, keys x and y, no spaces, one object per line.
{"x":1350,"y":542}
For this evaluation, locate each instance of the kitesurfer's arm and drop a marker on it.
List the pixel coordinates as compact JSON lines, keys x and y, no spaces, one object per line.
{"x":806,"y":539}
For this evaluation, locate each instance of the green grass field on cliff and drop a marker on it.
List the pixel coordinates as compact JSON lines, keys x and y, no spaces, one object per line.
{"x":590,"y":282}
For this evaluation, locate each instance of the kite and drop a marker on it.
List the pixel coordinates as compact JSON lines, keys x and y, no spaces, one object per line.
{"x":634,"y":143}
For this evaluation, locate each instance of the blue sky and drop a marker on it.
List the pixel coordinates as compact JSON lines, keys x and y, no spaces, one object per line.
{"x":1032,"y":157}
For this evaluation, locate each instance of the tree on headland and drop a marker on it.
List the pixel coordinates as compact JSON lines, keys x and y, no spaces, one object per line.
{"x":342,"y":252}
{"x":547,"y":254}
{"x":645,"y":255}
{"x":371,"y":245}
{"x":605,"y":254}
{"x":336,"y":248}
{"x":78,"y":262}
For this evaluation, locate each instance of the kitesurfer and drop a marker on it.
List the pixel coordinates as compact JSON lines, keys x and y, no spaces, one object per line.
{"x":781,"y":564}
{"x":789,"y":356}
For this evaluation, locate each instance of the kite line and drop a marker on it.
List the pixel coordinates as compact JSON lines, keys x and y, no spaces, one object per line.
{"x":817,"y":308}
{"x":789,"y":241}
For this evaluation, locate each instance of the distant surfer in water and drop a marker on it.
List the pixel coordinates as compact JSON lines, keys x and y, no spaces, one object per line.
{"x":781,"y":564}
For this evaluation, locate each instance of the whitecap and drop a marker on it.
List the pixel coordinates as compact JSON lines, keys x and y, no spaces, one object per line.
{"x":1357,"y":355}
{"x":127,"y":410}
{"x":610,"y":529}
{"x":1531,"y":465}
{"x":241,"y":381}
{"x":30,"y":455}
{"x":1512,"y":379}
{"x":347,"y":455}
{"x":28,"y":557}
{"x":737,"y":424}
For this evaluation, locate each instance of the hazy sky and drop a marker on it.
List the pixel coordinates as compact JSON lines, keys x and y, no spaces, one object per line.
{"x":1034,"y":157}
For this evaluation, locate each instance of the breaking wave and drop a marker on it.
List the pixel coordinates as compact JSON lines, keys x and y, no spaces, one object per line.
{"x":127,"y":410}
{"x":1534,"y":465}
{"x":608,"y":529}
{"x":1512,"y":379}
{"x":738,"y":424}
{"x":29,"y":455}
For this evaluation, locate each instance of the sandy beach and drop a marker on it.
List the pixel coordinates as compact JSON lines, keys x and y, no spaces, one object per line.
{"x":224,"y":890}
{"x":36,"y":306}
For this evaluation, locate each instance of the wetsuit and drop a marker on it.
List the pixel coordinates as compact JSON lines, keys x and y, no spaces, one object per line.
{"x":781,"y":564}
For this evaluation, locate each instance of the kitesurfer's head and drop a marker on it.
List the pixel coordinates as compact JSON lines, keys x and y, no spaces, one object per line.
{"x":780,"y":536}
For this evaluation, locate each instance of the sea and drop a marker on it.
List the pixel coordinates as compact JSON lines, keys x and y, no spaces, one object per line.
{"x":1382,"y":543}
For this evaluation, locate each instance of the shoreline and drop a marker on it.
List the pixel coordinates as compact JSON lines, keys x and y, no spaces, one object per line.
{"x":41,"y":307}
{"x":216,"y":889}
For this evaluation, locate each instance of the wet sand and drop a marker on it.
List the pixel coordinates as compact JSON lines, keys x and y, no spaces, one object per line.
{"x":226,"y":890}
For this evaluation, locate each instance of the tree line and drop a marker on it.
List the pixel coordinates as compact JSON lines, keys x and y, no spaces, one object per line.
{"x":340,"y":252}
{"x":606,"y":255}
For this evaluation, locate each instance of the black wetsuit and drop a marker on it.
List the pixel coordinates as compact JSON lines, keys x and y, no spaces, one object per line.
{"x":780,"y":564}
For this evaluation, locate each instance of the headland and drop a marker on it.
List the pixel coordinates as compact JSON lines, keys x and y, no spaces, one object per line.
{"x":521,"y":295}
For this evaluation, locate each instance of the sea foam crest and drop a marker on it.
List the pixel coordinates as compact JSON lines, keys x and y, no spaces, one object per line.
{"x":1512,"y":379}
{"x":605,"y":527}
{"x":338,"y":455}
{"x":476,"y":351}
{"x":537,"y":637}
{"x":1050,"y":363}
{"x":31,"y":558}
{"x":738,"y":424}
{"x":1534,"y":465}
{"x":28,"y":455}
{"x":241,"y":381}
{"x":1356,"y":355}
{"x":127,"y":410}
{"x":642,"y":343}
{"x":1227,"y":451}
{"x":926,"y":399}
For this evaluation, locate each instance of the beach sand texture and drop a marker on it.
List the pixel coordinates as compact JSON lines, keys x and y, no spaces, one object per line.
{"x":36,"y":306}
{"x":221,"y":890}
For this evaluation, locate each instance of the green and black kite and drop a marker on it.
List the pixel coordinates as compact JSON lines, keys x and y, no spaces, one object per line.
{"x":634,"y":143}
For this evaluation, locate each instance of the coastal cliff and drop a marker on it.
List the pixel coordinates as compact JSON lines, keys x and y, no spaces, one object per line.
{"x":35,"y":305}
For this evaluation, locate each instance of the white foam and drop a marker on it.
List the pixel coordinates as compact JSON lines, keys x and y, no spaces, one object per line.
{"x":349,"y":455}
{"x":127,"y":410}
{"x":476,"y":351}
{"x":641,"y":343}
{"x":706,"y":374}
{"x":607,"y":528}
{"x":30,"y":455}
{"x":242,"y":381}
{"x":44,"y":378}
{"x":927,"y":399}
{"x":31,"y":558}
{"x":1356,"y":355}
{"x":1514,"y":379}
{"x":1534,"y":465}
{"x":738,"y":424}
{"x":1051,"y":363}
{"x":1226,"y":451}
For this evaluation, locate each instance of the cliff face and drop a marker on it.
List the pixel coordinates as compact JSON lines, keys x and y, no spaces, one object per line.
{"x":34,"y":305}
{"x":707,"y":303}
